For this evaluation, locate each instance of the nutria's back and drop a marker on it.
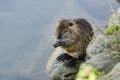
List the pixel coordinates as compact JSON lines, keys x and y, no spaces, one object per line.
{"x":74,"y":35}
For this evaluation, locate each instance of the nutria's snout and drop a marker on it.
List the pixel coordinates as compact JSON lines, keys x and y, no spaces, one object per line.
{"x":59,"y":43}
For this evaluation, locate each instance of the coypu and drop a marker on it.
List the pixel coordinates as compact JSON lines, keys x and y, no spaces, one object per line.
{"x":73,"y":35}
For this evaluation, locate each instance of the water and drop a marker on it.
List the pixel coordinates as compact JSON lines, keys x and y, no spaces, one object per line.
{"x":26,"y":32}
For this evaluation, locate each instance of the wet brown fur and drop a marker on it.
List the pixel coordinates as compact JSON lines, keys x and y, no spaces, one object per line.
{"x":78,"y":36}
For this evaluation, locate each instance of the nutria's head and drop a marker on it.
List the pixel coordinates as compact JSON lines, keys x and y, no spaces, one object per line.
{"x":69,"y":31}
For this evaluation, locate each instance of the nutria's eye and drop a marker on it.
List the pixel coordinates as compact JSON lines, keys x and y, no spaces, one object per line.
{"x":70,"y":24}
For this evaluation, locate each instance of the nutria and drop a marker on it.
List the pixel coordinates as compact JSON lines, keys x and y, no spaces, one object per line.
{"x":73,"y":35}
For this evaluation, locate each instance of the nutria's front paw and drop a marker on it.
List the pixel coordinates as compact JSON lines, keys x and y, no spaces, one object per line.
{"x":63,"y":57}
{"x":70,"y":63}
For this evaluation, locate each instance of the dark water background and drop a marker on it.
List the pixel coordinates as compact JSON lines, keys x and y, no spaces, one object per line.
{"x":26,"y":32}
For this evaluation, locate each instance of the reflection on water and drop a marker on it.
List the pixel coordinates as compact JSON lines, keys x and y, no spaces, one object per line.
{"x":26,"y":32}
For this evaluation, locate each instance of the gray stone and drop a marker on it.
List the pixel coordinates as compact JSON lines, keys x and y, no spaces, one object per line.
{"x":114,"y":74}
{"x":58,"y":71}
{"x":103,"y":62}
{"x":104,"y":52}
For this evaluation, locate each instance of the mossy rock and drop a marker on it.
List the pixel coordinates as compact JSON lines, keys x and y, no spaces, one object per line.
{"x":88,"y":72}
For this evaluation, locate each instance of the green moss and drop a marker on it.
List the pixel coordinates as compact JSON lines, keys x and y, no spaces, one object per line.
{"x":88,"y":73}
{"x":114,"y":41}
{"x":111,"y":30}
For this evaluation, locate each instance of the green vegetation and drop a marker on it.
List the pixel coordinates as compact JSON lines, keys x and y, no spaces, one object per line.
{"x":111,"y":30}
{"x":87,"y":72}
{"x":114,"y":41}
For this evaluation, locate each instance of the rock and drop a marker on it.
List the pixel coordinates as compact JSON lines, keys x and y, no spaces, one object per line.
{"x":114,"y":74}
{"x":103,"y":62}
{"x":58,"y":71}
{"x":96,"y":45}
{"x":104,"y":49}
{"x":104,"y":52}
{"x":101,"y":40}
